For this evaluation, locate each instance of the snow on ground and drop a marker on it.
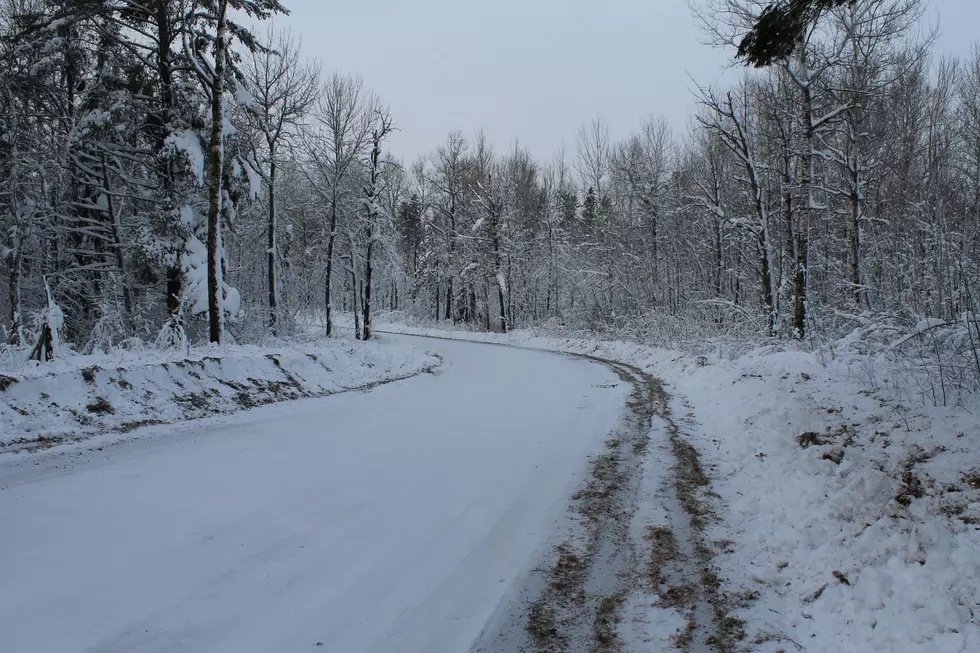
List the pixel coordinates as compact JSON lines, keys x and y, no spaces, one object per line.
{"x":848,"y":520}
{"x":392,"y":520}
{"x":78,"y":396}
{"x":647,"y":623}
{"x":856,"y":518}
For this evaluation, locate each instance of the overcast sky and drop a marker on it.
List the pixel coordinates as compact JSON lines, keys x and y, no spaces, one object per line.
{"x":532,"y":70}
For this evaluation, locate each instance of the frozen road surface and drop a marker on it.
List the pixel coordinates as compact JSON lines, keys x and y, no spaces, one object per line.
{"x":393,"y":520}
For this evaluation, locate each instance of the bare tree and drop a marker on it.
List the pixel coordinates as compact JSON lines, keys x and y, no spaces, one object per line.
{"x":489,"y":195}
{"x":449,"y":183}
{"x":339,"y":130}
{"x":283,"y":88}
{"x":969,"y":92}
{"x":373,"y":211}
{"x":869,"y":35}
{"x":592,"y":163}
{"x":732,"y":119}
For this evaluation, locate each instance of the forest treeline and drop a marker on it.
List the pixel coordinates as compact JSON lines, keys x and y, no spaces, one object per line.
{"x":838,"y":188}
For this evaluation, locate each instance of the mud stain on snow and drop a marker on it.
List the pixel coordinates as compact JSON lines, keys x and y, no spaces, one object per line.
{"x":573,"y":602}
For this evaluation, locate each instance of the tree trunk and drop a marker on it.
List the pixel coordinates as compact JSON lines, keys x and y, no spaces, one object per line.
{"x":368,"y":274}
{"x":719,"y":260}
{"x":371,"y":192}
{"x":273,"y":246}
{"x":789,"y":211}
{"x":772,"y":308}
{"x":117,"y":245}
{"x":163,"y":19}
{"x":654,"y":254}
{"x":499,"y":275}
{"x":14,"y":269}
{"x":503,"y":317}
{"x":508,"y":292}
{"x":331,"y":243}
{"x":767,"y":283}
{"x":14,"y":236}
{"x":737,"y":290}
{"x":175,"y":282}
{"x":855,"y":230}
{"x":357,"y":303}
{"x":486,"y":300}
{"x":217,"y":160}
{"x":472,"y":308}
{"x":449,"y":301}
{"x":765,"y":259}
{"x":799,"y":292}
{"x":799,"y":301}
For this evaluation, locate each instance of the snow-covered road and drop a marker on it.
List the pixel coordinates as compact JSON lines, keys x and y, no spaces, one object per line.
{"x":393,"y":520}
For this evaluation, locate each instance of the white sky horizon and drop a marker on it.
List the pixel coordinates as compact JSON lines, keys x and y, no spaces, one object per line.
{"x":533,"y":71}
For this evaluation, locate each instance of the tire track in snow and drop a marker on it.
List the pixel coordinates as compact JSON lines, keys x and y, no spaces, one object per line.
{"x":573,"y":603}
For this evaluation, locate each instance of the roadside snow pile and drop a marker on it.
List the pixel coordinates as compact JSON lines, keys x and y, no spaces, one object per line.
{"x":848,"y":520}
{"x":856,"y":517}
{"x":78,"y":396}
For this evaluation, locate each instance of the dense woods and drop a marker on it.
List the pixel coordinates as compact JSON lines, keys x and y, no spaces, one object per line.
{"x":167,"y":174}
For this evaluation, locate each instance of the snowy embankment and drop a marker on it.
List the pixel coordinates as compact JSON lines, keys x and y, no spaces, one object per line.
{"x":78,"y":396}
{"x":845,"y":520}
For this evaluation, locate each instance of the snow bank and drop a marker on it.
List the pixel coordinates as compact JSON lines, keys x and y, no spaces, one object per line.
{"x":78,"y":396}
{"x":849,"y":521}
{"x":854,"y":517}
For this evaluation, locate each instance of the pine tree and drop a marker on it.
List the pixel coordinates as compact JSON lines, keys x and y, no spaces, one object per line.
{"x":780,"y":28}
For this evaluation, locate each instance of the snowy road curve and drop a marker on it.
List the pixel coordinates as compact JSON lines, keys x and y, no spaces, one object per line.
{"x":393,"y":520}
